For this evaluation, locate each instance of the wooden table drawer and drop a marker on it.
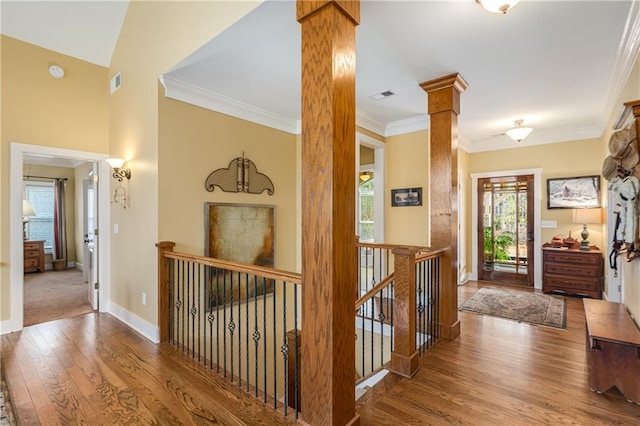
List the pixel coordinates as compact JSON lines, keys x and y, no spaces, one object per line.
{"x":31,"y":263}
{"x":572,"y":269}
{"x":572,"y":283}
{"x":568,"y":257}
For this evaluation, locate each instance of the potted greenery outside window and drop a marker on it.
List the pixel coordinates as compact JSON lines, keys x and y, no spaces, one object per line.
{"x":496,"y":247}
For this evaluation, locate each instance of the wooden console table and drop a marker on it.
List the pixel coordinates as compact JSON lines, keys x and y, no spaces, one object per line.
{"x":613,"y":343}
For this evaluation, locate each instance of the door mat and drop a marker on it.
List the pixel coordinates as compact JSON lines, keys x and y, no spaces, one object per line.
{"x":522,"y":306}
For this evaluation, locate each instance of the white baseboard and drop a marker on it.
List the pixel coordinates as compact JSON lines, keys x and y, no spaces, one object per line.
{"x":5,"y":327}
{"x":79,"y":266}
{"x":140,"y":325}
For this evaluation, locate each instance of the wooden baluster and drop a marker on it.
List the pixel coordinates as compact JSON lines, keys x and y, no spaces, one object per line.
{"x":404,"y":358}
{"x":163,"y":290}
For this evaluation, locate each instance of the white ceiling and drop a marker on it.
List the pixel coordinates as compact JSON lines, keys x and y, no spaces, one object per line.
{"x":559,"y":65}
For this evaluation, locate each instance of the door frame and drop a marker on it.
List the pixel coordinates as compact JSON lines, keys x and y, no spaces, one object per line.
{"x":16,"y":266}
{"x":378,"y":184}
{"x":537,"y":214}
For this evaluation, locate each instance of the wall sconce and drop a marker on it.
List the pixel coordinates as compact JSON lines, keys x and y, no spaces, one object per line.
{"x":120,"y":193}
{"x":118,"y":172}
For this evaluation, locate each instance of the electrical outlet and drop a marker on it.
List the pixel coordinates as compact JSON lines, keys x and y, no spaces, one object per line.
{"x":144,"y":298}
{"x":116,"y":228}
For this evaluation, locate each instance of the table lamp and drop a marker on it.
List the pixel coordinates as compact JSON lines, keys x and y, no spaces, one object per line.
{"x":586,"y":216}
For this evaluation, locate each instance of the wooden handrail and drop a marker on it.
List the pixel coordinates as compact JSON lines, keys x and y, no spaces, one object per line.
{"x":390,"y":246}
{"x":430,"y":254}
{"x":261,"y":271}
{"x":375,"y":289}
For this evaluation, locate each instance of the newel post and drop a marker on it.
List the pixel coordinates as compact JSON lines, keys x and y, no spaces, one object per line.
{"x":163,"y":288}
{"x":404,"y":358}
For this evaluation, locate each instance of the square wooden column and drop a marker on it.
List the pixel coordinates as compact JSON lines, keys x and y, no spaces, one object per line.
{"x":444,"y":107}
{"x":329,"y":256}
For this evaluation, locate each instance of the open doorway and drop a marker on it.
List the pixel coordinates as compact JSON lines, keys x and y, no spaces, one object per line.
{"x":26,"y":176}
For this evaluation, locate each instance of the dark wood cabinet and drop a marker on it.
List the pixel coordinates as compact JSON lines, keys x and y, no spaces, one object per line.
{"x":572,"y":272}
{"x":34,"y":256}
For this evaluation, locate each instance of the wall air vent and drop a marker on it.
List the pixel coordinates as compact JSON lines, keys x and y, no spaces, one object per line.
{"x":381,"y":95}
{"x":116,"y":82}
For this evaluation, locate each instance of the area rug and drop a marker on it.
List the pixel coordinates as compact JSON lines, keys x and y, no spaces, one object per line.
{"x":522,"y":306}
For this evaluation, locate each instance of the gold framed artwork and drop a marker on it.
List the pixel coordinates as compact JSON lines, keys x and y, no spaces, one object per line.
{"x":242,"y":233}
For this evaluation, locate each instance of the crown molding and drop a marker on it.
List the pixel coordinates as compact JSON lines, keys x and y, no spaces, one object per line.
{"x":626,"y":58}
{"x":189,"y":93}
{"x":414,"y":124}
{"x":369,"y":122}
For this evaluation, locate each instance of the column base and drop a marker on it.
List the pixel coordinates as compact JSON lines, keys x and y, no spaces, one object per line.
{"x":405,"y":366}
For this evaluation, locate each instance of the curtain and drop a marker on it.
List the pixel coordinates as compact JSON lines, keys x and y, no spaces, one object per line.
{"x":59,"y":221}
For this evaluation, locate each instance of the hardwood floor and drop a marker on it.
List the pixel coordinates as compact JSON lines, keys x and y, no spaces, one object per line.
{"x":500,"y":372}
{"x":92,"y":369}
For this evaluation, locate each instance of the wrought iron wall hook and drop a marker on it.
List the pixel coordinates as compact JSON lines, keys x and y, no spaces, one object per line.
{"x":240,"y":176}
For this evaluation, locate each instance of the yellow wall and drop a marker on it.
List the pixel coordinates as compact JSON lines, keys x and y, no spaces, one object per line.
{"x":407,"y":166}
{"x":155,"y":36}
{"x":39,"y":110}
{"x":193,"y":142}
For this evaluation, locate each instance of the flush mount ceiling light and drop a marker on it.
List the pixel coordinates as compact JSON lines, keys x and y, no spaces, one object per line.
{"x":497,"y":6}
{"x":519,"y":132}
{"x":55,"y":70}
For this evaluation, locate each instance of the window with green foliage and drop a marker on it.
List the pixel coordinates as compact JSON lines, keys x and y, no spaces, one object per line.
{"x":366,"y":219}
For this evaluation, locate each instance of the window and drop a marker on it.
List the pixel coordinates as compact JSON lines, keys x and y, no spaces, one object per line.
{"x":366,"y":219}
{"x":40,"y":227}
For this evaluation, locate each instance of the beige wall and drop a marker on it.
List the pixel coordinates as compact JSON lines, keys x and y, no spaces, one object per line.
{"x":193,"y":142}
{"x":39,"y":110}
{"x":407,"y":166}
{"x":155,"y":36}
{"x":576,"y":158}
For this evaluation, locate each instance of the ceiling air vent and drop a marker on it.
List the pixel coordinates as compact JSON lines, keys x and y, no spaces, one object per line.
{"x":116,"y":82}
{"x":381,"y":95}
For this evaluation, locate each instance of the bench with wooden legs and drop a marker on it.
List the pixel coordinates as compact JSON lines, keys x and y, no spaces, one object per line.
{"x":613,"y":342}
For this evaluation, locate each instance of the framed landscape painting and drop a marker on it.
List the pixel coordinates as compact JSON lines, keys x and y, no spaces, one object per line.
{"x":241,"y":233}
{"x":573,"y":192}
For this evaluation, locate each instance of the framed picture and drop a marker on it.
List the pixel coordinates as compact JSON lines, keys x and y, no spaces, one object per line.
{"x":241,"y":233}
{"x":573,"y":192}
{"x":406,"y":197}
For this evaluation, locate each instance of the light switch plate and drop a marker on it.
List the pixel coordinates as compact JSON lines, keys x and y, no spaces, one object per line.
{"x":548,"y":224}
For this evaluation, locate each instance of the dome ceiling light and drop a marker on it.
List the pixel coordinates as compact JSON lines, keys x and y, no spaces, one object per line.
{"x":519,"y":132}
{"x":498,"y":6}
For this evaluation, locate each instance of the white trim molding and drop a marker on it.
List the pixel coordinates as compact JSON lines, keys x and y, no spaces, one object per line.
{"x":16,"y":272}
{"x":626,"y":58}
{"x":140,"y":325}
{"x":194,"y":95}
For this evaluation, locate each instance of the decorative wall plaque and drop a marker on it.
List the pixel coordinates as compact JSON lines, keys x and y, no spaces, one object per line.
{"x":241,"y":176}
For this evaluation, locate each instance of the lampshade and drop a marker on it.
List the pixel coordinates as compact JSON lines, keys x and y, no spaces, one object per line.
{"x":585,"y":216}
{"x":115,"y":163}
{"x":498,"y":6}
{"x":27,"y":209}
{"x":519,"y":132}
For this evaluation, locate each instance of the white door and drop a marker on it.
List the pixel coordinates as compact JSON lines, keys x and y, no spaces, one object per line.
{"x":90,"y":220}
